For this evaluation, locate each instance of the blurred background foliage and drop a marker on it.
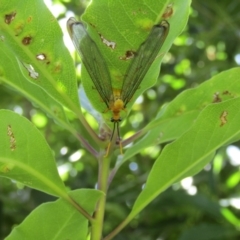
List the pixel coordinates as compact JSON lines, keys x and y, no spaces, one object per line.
{"x":202,"y":207}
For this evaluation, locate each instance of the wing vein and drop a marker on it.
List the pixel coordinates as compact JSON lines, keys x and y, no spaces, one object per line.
{"x":142,"y":61}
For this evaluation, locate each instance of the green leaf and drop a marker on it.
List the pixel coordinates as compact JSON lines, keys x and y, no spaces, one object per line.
{"x":25,"y":155}
{"x":180,"y":114}
{"x":162,"y":130}
{"x":30,"y":31}
{"x":126,"y":24}
{"x":216,"y":125}
{"x":11,"y":75}
{"x":58,"y":220}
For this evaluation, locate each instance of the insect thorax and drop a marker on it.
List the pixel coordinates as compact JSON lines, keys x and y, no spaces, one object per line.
{"x":116,"y":105}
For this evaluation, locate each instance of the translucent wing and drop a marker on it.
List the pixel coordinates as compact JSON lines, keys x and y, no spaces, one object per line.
{"x":91,"y":58}
{"x":143,"y":59}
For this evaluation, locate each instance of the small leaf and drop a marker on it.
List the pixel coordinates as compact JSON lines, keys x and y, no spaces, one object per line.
{"x":58,"y":220}
{"x":25,"y":155}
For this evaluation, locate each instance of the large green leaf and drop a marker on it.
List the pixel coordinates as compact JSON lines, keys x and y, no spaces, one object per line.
{"x":216,"y":125}
{"x":127,"y":24}
{"x":180,"y":114}
{"x":58,"y":220}
{"x":34,"y":36}
{"x":25,"y":155}
{"x":11,"y":75}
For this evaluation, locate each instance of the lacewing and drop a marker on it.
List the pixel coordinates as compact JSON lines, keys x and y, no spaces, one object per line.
{"x":116,"y":100}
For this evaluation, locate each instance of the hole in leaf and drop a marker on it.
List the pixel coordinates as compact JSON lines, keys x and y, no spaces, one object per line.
{"x":31,"y":71}
{"x":110,"y":44}
{"x":41,"y":56}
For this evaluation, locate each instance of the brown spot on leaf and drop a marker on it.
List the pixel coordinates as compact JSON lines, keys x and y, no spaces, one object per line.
{"x":168,"y":12}
{"x":29,"y":19}
{"x":134,"y":13}
{"x":5,"y":169}
{"x":216,"y":98}
{"x":26,"y":40}
{"x":57,"y":67}
{"x":139,"y":11}
{"x":11,"y":137}
{"x":223,"y":118}
{"x":91,"y":24}
{"x":129,"y":54}
{"x":10,"y":17}
{"x":142,"y":11}
{"x":226,"y":92}
{"x":19,"y":28}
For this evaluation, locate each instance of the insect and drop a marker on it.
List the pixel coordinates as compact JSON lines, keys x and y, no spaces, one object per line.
{"x":116,"y":100}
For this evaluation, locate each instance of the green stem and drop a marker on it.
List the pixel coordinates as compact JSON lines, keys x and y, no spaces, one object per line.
{"x":97,"y":224}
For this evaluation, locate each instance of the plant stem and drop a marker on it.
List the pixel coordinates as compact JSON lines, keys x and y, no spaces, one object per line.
{"x":97,"y":224}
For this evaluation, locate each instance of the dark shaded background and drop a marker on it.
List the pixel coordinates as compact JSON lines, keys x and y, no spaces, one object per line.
{"x":209,"y":45}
